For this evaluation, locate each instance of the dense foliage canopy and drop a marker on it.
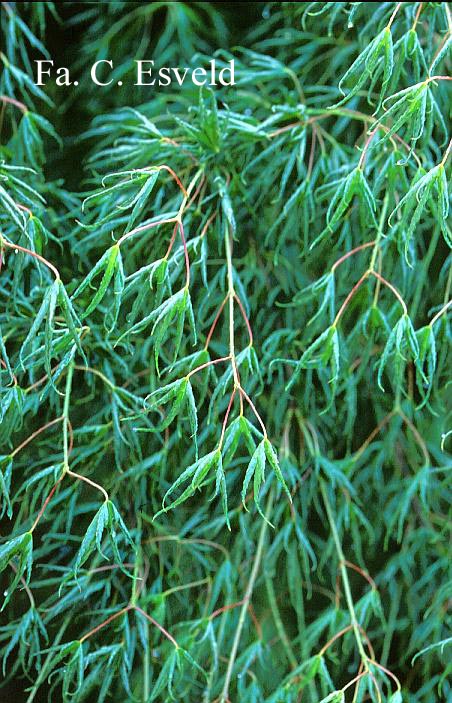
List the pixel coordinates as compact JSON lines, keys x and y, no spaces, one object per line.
{"x":224,"y":335}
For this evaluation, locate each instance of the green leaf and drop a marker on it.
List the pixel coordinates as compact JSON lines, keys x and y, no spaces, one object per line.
{"x":140,"y":200}
{"x":6,"y":465}
{"x":20,"y":551}
{"x":166,"y":677}
{"x":319,"y":353}
{"x":192,"y":415}
{"x":414,"y":203}
{"x":40,"y":316}
{"x":106,"y":264}
{"x":176,"y":392}
{"x":106,"y":518}
{"x":379,"y":49}
{"x":71,"y":318}
{"x":401,"y":341}
{"x":255,"y":471}
{"x":197,"y":472}
{"x":272,"y":459}
{"x":353,"y":184}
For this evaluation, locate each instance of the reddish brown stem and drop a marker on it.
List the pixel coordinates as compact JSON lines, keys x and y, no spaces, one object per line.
{"x":447,"y":152}
{"x":164,"y":167}
{"x":438,"y":314}
{"x":196,"y":193}
{"x":334,"y":638}
{"x":88,"y":480}
{"x":418,"y":12}
{"x":251,"y":404}
{"x":286,"y":128}
{"x":13,"y":101}
{"x":157,"y":625}
{"x":373,"y":434}
{"x":355,"y":680}
{"x":391,"y":288}
{"x":35,"y":434}
{"x":187,"y":260}
{"x":349,"y":297}
{"x":438,"y":78}
{"x":245,"y":318}
{"x":224,"y":609}
{"x":2,"y":363}
{"x":105,"y":622}
{"x":208,"y":363}
{"x":71,"y":437}
{"x":46,"y":502}
{"x":208,"y":223}
{"x":363,"y":573}
{"x":376,"y":686}
{"x":225,"y":421}
{"x":25,"y":586}
{"x":172,"y":240}
{"x":24,"y":208}
{"x":387,"y":672}
{"x":143,"y":228}
{"x":214,"y":323}
{"x":392,"y":18}
{"x":4,"y":242}
{"x":366,"y":148}
{"x":350,"y":253}
{"x":417,"y":437}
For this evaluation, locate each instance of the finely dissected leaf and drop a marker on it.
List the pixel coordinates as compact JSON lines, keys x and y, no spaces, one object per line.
{"x":115,"y":521}
{"x":197,"y":472}
{"x":402,"y":340}
{"x":39,"y":318}
{"x":11,"y":412}
{"x":5,"y":357}
{"x":426,"y":361}
{"x":70,"y":317}
{"x":192,"y":415}
{"x":140,"y":200}
{"x":166,"y":676}
{"x":173,"y":309}
{"x":92,"y":537}
{"x":323,"y":350}
{"x":157,"y":271}
{"x":415,"y":202}
{"x":107,"y":519}
{"x":272,"y":459}
{"x":409,"y":109}
{"x":106,"y":264}
{"x":28,"y":634}
{"x":20,"y":550}
{"x":256,"y":471}
{"x":6,"y":465}
{"x":354,"y":184}
{"x":238,"y":429}
{"x":379,"y":49}
{"x":176,"y":392}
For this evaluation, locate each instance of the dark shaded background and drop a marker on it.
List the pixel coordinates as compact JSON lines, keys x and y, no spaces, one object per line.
{"x":63,"y":41}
